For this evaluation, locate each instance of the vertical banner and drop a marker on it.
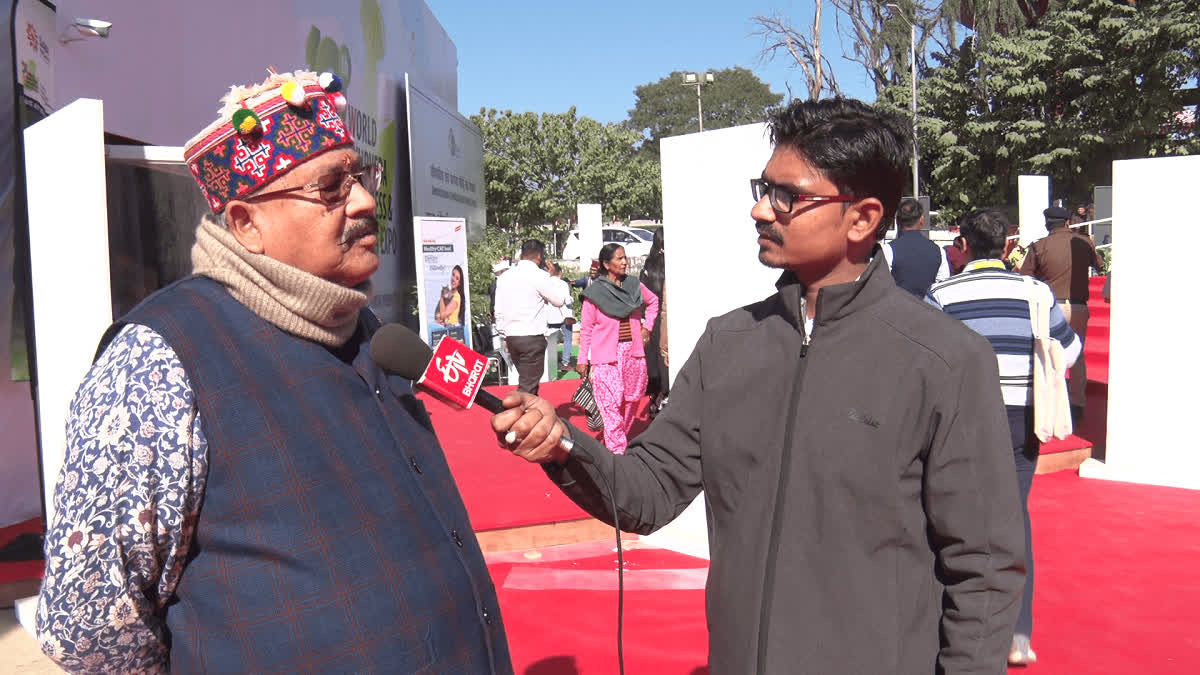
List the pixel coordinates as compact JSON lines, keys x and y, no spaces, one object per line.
{"x":442,"y":285}
{"x":34,"y":31}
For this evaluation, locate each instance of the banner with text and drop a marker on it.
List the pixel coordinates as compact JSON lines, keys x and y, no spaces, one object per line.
{"x":447,"y":161}
{"x":442,"y":283}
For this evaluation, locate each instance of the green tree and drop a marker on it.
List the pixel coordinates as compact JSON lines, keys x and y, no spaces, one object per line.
{"x":1092,"y":82}
{"x":668,"y":107}
{"x":538,"y":167}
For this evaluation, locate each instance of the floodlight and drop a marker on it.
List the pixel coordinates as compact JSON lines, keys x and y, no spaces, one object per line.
{"x":84,"y":28}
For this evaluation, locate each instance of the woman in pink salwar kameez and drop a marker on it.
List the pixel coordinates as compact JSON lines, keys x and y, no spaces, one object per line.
{"x":617,"y":313}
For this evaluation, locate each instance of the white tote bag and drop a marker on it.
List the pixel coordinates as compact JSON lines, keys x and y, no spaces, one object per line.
{"x":1051,"y":405}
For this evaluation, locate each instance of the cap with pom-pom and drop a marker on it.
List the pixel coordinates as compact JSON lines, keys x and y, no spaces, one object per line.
{"x":246,"y":122}
{"x":330,"y":82}
{"x":262,"y":132}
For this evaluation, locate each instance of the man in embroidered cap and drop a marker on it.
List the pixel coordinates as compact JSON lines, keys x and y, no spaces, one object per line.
{"x":244,"y":490}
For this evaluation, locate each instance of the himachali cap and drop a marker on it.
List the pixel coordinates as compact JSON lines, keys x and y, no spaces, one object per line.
{"x":263,"y":131}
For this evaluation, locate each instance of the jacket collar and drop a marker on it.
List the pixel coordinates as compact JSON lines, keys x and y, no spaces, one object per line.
{"x":840,"y":300}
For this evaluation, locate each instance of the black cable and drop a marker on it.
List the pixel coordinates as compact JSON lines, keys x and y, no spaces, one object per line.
{"x":620,"y":571}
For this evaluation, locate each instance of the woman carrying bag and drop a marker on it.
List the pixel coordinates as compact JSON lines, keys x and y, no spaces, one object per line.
{"x":612,"y":339}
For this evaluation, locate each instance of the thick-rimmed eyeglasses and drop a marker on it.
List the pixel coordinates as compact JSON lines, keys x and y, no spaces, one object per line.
{"x":334,"y":188}
{"x":784,"y":200}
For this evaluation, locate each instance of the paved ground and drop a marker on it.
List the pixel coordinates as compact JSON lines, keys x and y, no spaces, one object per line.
{"x":18,"y":651}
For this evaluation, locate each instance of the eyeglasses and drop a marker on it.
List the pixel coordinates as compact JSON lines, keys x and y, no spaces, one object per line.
{"x":334,"y":188}
{"x":784,"y":200}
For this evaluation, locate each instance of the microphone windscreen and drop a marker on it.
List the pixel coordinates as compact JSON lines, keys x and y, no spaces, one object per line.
{"x":400,"y":351}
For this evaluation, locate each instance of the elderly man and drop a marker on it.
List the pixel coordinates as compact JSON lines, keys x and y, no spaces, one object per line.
{"x":244,"y":490}
{"x":850,"y":440}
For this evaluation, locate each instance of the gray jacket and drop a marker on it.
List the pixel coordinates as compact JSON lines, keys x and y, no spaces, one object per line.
{"x":862,"y":502}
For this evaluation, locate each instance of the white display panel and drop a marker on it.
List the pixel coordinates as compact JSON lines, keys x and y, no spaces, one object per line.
{"x":1033,"y":196}
{"x":710,"y":240}
{"x":591,"y":237}
{"x":68,"y":252}
{"x":1150,"y":384}
{"x":711,"y":259}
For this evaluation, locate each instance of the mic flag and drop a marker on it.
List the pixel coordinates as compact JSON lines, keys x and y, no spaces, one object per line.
{"x":455,"y":372}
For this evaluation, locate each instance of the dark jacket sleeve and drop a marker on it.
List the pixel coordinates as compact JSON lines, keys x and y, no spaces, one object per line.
{"x":659,"y":474}
{"x":975,"y":520}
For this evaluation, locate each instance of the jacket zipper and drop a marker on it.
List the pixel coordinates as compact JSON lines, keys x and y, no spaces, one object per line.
{"x":785,"y":461}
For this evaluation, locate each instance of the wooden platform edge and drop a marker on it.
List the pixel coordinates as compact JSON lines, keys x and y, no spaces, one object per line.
{"x":545,"y":534}
{"x":1068,"y":460}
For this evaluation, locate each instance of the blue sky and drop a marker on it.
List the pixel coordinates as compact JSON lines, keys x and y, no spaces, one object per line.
{"x":547,"y":56}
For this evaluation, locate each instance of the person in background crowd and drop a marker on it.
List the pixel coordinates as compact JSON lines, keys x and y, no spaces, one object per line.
{"x":654,"y":277}
{"x":556,"y":318}
{"x":248,"y":388}
{"x":994,"y":302}
{"x":498,"y":343}
{"x":956,"y":255}
{"x":568,"y":330}
{"x":849,"y":438}
{"x":498,"y":268}
{"x":524,"y":297}
{"x":915,"y":261}
{"x":613,"y":332}
{"x":451,"y":313}
{"x":1061,"y":259}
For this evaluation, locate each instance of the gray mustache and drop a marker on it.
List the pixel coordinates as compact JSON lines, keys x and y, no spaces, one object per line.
{"x":359,"y":229}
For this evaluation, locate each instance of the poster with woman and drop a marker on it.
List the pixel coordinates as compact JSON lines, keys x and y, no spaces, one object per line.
{"x":442,"y":296}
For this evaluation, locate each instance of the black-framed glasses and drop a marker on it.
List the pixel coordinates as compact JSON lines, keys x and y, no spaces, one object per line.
{"x":784,"y":200}
{"x":334,"y":187}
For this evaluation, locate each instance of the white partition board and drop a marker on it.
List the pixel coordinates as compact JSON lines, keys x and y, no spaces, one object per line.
{"x":68,"y":251}
{"x":1150,"y":384}
{"x":712,"y":258}
{"x":1033,"y":196}
{"x":590,"y":236}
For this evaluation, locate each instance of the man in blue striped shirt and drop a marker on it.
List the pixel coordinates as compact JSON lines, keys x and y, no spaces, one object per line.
{"x":995,"y":303}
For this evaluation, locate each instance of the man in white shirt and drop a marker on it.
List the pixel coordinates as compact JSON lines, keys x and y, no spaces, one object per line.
{"x":556,"y":320}
{"x":522,"y":296}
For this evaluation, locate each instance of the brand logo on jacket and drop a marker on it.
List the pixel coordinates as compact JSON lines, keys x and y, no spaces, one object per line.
{"x":863,"y":417}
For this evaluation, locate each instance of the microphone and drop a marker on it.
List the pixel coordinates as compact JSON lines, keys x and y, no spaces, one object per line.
{"x":399,"y":351}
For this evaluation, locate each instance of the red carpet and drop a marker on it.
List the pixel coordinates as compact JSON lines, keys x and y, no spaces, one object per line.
{"x":501,"y":490}
{"x":25,"y":569}
{"x":1093,"y":430}
{"x":1095,"y":344}
{"x":1117,"y":592}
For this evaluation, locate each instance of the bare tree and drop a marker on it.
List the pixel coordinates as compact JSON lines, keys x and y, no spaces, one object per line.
{"x":805,"y":50}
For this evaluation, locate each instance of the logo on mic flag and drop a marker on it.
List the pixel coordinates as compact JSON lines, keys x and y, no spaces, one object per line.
{"x":455,"y":371}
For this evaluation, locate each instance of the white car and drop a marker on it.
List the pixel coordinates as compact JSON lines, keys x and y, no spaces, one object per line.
{"x":635,"y":240}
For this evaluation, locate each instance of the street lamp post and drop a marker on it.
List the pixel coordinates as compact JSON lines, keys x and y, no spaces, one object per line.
{"x":912,"y":58}
{"x":698,"y":79}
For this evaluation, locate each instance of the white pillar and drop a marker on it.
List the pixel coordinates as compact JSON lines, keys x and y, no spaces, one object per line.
{"x":1033,"y":196}
{"x":1152,"y":368}
{"x":590,"y":239}
{"x":68,"y":255}
{"x":706,"y":218}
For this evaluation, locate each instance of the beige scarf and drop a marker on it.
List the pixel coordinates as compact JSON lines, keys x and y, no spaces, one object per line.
{"x":292,"y":299}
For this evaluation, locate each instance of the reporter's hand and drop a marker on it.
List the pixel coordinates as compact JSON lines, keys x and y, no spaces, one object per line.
{"x":645,"y":336}
{"x":582,"y":369}
{"x":533,"y":426}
